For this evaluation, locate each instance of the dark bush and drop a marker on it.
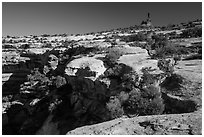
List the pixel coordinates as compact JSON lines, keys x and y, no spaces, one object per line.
{"x":147,"y":79}
{"x":25,"y":46}
{"x":160,"y":41}
{"x":144,"y":102}
{"x":37,"y":76}
{"x":173,"y":83}
{"x":163,"y":48}
{"x":170,"y":50}
{"x":59,"y":81}
{"x":151,"y":92}
{"x":136,"y":37}
{"x":192,"y":32}
{"x":166,"y":66}
{"x":113,"y":55}
{"x":85,"y":72}
{"x":115,"y":108}
{"x":165,"y":51}
{"x":80,"y":50}
{"x":123,"y":96}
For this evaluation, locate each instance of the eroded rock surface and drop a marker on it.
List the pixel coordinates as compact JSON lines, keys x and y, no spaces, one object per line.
{"x":88,"y":63}
{"x":53,"y":104}
{"x":172,"y":124}
{"x":140,"y":60}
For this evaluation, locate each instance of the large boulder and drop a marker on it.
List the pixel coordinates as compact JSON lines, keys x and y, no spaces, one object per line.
{"x":140,"y":60}
{"x":85,"y":67}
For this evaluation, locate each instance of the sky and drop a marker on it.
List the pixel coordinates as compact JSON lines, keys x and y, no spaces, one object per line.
{"x":36,"y":18}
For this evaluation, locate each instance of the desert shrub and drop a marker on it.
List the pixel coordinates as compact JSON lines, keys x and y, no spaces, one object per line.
{"x":173,"y":83}
{"x":156,"y":107}
{"x":119,"y":70}
{"x":79,"y":50}
{"x":165,"y":51}
{"x":151,"y":92}
{"x":182,"y":50}
{"x":85,"y":72}
{"x":146,"y":101}
{"x":37,"y":76}
{"x":133,"y":104}
{"x":38,"y":85}
{"x":170,"y":50}
{"x":192,"y":32}
{"x":136,"y":37}
{"x":59,"y":81}
{"x":115,"y":108}
{"x":145,"y":98}
{"x":113,"y":55}
{"x":163,"y":48}
{"x":160,"y":41}
{"x":123,"y":96}
{"x":166,"y":66}
{"x":129,"y":80}
{"x":147,"y":78}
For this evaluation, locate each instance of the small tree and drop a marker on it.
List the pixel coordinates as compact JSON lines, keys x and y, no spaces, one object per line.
{"x":113,"y":55}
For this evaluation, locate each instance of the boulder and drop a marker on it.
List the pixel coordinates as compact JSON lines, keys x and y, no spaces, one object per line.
{"x":52,"y":61}
{"x":140,"y":60}
{"x":90,"y":68}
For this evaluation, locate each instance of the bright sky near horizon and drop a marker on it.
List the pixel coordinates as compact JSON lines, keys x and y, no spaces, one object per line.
{"x":35,"y":18}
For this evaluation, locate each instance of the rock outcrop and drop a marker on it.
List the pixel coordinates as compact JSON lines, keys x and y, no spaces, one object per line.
{"x":88,"y":93}
{"x":86,"y":67}
{"x":140,"y":60}
{"x":172,"y":124}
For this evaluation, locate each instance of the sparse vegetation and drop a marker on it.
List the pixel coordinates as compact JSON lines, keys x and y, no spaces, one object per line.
{"x":192,"y":32}
{"x":85,"y":96}
{"x":144,"y":102}
{"x":137,"y":37}
{"x":115,"y":108}
{"x":113,"y":55}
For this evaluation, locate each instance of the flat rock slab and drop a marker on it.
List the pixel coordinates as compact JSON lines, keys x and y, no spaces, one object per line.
{"x":190,"y":69}
{"x":139,"y":61}
{"x":172,"y":124}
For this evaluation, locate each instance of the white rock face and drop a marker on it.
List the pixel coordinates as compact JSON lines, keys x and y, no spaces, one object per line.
{"x":139,"y":60}
{"x":93,"y":64}
{"x":52,"y":61}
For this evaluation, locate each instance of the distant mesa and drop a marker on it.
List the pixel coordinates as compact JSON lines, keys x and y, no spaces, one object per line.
{"x":148,"y":22}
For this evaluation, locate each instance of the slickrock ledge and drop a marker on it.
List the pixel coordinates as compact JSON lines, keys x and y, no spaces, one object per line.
{"x":176,"y":124}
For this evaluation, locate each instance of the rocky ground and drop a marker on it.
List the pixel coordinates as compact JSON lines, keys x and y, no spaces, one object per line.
{"x":172,"y":124}
{"x":81,"y":91}
{"x":166,"y":124}
{"x":169,"y":124}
